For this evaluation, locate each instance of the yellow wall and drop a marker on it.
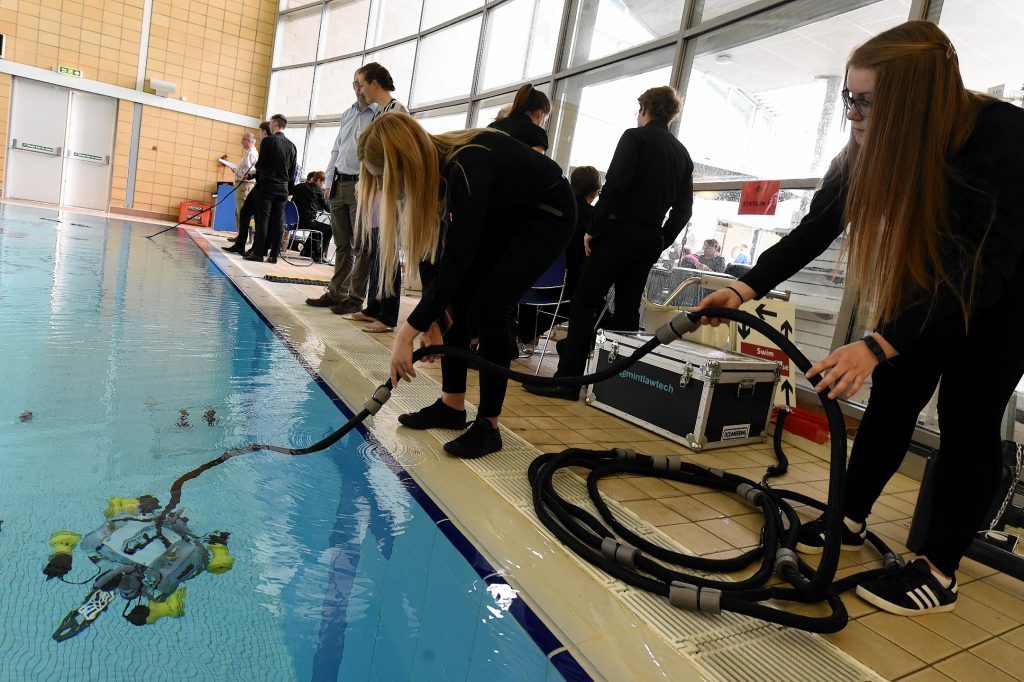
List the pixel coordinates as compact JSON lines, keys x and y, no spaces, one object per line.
{"x":217,"y":52}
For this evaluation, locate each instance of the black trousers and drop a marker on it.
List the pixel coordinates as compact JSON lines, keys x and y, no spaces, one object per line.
{"x":245,"y":215}
{"x":310,"y":249}
{"x":623,"y":256}
{"x":973,"y":395}
{"x":380,"y":306}
{"x":510,"y":259}
{"x":269,"y":224}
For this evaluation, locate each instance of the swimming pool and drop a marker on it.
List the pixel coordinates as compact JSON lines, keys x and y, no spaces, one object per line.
{"x":128,"y":362}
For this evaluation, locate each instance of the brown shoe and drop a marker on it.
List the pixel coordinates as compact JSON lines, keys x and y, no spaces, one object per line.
{"x":322,"y":302}
{"x":342,"y":310}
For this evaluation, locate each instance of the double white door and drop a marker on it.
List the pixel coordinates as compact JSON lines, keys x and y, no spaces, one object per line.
{"x":61,"y":144}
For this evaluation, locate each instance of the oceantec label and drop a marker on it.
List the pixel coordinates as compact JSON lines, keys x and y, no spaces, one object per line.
{"x":647,"y":381}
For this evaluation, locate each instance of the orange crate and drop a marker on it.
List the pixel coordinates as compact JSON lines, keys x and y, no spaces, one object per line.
{"x":194,"y":213}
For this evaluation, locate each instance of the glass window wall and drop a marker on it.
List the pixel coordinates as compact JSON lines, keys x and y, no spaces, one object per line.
{"x":297,"y":36}
{"x":290,"y":91}
{"x":399,"y":61}
{"x":604,"y":27}
{"x":443,"y":120}
{"x":439,"y":11}
{"x":391,"y":20}
{"x":318,"y":147}
{"x":445,"y":63}
{"x":344,"y":30}
{"x":594,"y":108}
{"x":520,"y":41}
{"x":333,"y":92}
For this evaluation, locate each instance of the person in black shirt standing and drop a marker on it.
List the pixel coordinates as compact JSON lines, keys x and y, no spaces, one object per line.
{"x":275,"y":178}
{"x":509,"y":211}
{"x":929,"y":185}
{"x":309,"y":201}
{"x":650,"y":173}
{"x":247,"y":211}
{"x":526,"y":118}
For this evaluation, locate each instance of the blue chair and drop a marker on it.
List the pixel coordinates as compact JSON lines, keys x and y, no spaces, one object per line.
{"x":547,"y":294}
{"x":293,"y":233}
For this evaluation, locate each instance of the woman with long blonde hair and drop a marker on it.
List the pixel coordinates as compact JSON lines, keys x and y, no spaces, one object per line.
{"x":929,"y":187}
{"x":507,"y":212}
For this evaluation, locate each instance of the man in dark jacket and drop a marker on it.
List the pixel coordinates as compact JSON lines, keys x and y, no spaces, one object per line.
{"x":275,"y":181}
{"x":309,"y":200}
{"x":650,"y":174}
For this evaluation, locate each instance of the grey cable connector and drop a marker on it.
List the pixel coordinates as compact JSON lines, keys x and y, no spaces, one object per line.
{"x":377,"y":400}
{"x":694,"y":598}
{"x":675,"y":328}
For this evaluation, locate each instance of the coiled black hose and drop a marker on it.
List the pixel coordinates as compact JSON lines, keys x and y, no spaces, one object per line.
{"x":634,"y":559}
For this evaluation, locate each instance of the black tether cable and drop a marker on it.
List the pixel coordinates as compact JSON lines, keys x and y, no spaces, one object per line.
{"x":636,"y":560}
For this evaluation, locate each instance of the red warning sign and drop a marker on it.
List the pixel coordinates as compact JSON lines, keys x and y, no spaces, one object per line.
{"x":766,"y":353}
{"x":759,"y":197}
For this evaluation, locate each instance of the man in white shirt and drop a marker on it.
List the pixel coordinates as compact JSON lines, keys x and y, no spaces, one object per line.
{"x":245,"y":173}
{"x":345,"y":292}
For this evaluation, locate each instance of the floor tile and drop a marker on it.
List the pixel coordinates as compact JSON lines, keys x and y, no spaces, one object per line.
{"x":696,"y":539}
{"x":690,"y":507}
{"x":911,"y":636}
{"x":926,"y":675}
{"x":966,"y":667}
{"x":654,"y":512}
{"x":875,"y":651}
{"x":1003,"y":655}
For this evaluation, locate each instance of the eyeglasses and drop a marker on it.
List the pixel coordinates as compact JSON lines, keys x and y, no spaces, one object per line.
{"x":862,"y":106}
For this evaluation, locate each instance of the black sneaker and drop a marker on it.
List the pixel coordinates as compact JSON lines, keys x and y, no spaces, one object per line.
{"x":436,"y":416}
{"x":912,"y":591}
{"x":481,"y":439}
{"x":810,"y":539}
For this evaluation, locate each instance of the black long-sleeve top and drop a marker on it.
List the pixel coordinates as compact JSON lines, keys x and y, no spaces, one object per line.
{"x":309,"y":200}
{"x":985,"y":211}
{"x":489,"y":184}
{"x":523,"y":129}
{"x":275,"y":169}
{"x":650,"y":173}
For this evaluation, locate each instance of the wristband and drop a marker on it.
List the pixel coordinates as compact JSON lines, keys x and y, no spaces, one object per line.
{"x":875,"y":348}
{"x":738,"y":294}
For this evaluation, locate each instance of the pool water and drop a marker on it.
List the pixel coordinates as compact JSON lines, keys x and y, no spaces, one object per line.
{"x":128,"y":362}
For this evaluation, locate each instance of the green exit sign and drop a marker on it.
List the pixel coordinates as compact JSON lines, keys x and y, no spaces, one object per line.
{"x":68,"y":71}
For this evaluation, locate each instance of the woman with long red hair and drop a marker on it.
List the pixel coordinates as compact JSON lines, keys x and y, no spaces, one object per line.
{"x":929,"y":189}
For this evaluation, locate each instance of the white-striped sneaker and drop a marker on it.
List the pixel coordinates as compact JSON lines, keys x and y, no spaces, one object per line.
{"x":912,"y":591}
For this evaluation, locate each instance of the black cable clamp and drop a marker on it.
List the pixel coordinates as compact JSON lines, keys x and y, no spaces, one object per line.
{"x":890,"y":559}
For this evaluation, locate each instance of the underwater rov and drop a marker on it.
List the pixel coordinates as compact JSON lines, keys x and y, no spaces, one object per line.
{"x":181,"y":555}
{"x":136,"y":558}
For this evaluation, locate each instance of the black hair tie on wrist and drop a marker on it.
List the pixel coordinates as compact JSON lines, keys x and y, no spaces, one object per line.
{"x":875,"y":347}
{"x":738,"y":294}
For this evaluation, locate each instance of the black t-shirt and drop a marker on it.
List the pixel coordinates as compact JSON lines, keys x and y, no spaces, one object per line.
{"x":491,"y":184}
{"x":523,"y":129}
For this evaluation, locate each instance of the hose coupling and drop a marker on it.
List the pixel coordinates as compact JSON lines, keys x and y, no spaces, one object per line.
{"x":694,"y":597}
{"x":377,"y":400}
{"x":666,"y":463}
{"x":785,"y":558}
{"x":626,"y":454}
{"x":749,"y":492}
{"x":675,"y":328}
{"x":620,"y":552}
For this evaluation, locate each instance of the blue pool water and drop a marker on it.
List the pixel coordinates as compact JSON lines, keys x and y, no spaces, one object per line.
{"x":341,"y":569}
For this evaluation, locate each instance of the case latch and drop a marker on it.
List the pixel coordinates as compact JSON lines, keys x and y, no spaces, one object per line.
{"x":685,"y":374}
{"x":745,"y":388}
{"x":614,"y":352}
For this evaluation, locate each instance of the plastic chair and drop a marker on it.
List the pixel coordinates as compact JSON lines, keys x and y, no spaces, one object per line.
{"x":293,"y":233}
{"x":547,"y":292}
